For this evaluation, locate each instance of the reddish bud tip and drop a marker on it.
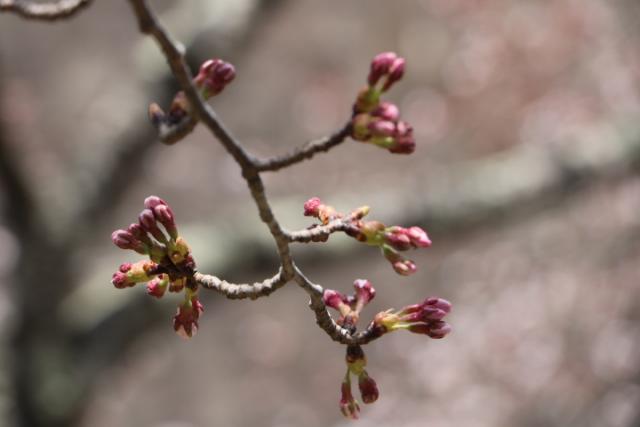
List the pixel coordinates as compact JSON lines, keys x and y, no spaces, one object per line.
{"x":153,"y":201}
{"x":333,"y":299}
{"x":185,"y":322}
{"x":164,"y":215}
{"x":312,"y":207}
{"x":387,"y":111}
{"x":380,"y":66}
{"x":348,"y":405}
{"x":368,"y":388}
{"x":364,"y":291}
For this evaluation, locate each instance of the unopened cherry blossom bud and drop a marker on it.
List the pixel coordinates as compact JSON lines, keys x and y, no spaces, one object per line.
{"x":419,"y":237}
{"x":337,"y":301}
{"x":403,"y":142}
{"x":148,"y":222}
{"x":380,"y":66}
{"x":387,"y":111}
{"x":397,"y":238}
{"x":158,"y":286}
{"x":380,"y":127}
{"x":185,"y":322}
{"x":139,"y":233}
{"x":364,"y":293}
{"x":368,"y":388}
{"x":129,"y":274}
{"x":124,"y":239}
{"x":213,"y":76}
{"x":119,"y":280}
{"x":396,"y":71}
{"x":405,"y":267}
{"x":152,"y":201}
{"x":348,"y":405}
{"x":436,"y":329}
{"x":312,"y":207}
{"x":164,"y":215}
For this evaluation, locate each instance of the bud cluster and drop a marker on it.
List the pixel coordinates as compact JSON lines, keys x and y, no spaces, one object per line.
{"x":214,"y":75}
{"x":378,"y":122}
{"x":350,"y":306}
{"x":391,"y":240}
{"x":170,"y":265}
{"x":424,"y":318}
{"x":356,"y":363}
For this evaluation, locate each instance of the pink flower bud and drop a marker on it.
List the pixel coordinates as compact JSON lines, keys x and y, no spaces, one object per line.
{"x":213,"y":76}
{"x":404,"y":267}
{"x":139,"y":233}
{"x":396,"y":71}
{"x":368,"y":388}
{"x":125,"y":240}
{"x":401,"y":265}
{"x":436,"y":329}
{"x":403,"y":142}
{"x":119,"y":280}
{"x":337,"y":301}
{"x":397,"y":238}
{"x":153,"y":201}
{"x":312,"y":207}
{"x":125,"y":267}
{"x":419,"y":237}
{"x":164,"y":215}
{"x":380,"y":66}
{"x":158,"y":286}
{"x":364,"y":293}
{"x":185,"y":322}
{"x":147,"y":221}
{"x":348,"y":405}
{"x":387,"y":111}
{"x":379,"y":127}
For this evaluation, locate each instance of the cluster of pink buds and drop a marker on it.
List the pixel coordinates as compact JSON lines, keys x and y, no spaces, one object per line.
{"x":356,"y":363}
{"x":378,"y":122}
{"x":424,"y":318}
{"x":170,"y":265}
{"x":391,"y":240}
{"x":350,"y":306}
{"x":214,"y":75}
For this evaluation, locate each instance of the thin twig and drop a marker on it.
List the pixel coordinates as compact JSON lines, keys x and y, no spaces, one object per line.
{"x":174,"y":53}
{"x":320,"y":233}
{"x":307,"y":151}
{"x":44,"y":11}
{"x":243,"y":290}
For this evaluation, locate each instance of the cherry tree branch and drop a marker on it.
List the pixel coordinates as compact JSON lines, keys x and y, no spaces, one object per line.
{"x":320,"y":233}
{"x":251,"y":167}
{"x":51,"y":11}
{"x":243,"y":290}
{"x":307,"y":151}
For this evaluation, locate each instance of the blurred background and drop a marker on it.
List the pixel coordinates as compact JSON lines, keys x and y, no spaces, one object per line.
{"x":526,"y":176}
